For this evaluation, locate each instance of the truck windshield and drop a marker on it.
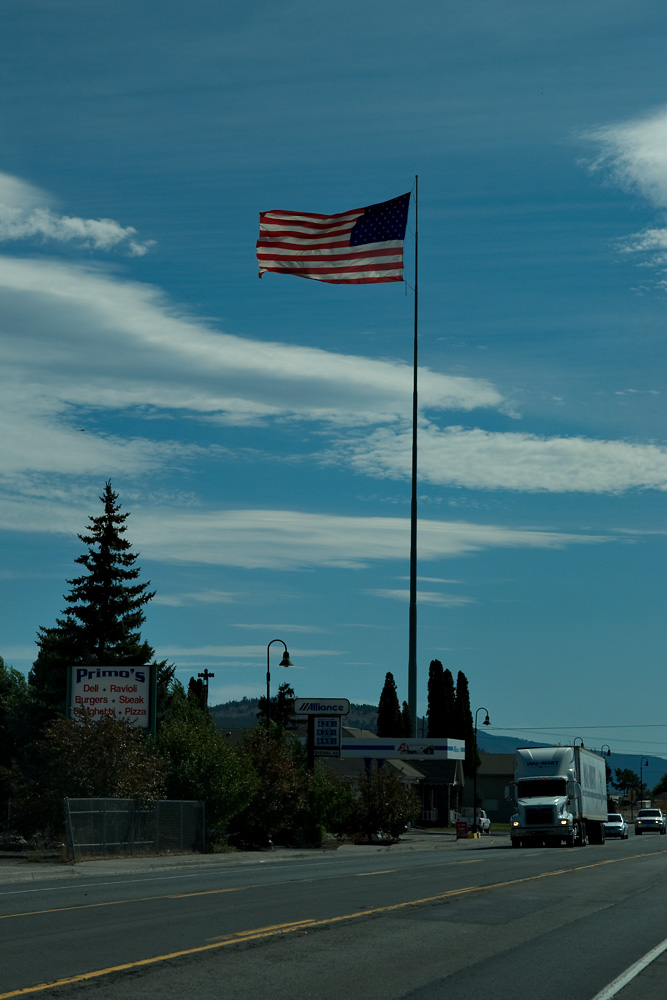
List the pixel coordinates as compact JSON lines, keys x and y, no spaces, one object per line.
{"x":533,"y":788}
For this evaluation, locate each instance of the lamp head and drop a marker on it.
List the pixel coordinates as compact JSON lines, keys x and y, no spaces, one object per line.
{"x":286,"y":662}
{"x":487,"y":720}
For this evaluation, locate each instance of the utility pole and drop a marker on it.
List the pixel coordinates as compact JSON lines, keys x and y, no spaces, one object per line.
{"x":206,"y":676}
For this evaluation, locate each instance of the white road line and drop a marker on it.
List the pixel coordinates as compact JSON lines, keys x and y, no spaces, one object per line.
{"x":626,"y":977}
{"x":71,"y":882}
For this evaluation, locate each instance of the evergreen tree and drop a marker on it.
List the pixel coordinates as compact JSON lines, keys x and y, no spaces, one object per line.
{"x":464,"y":723}
{"x":197,"y":693}
{"x":14,"y":711}
{"x":281,"y":709}
{"x":389,"y":721}
{"x":104,"y":614}
{"x":626,"y":781}
{"x":14,"y":719}
{"x":407,"y":729}
{"x":435,"y":708}
{"x":449,"y":703}
{"x":441,"y":712}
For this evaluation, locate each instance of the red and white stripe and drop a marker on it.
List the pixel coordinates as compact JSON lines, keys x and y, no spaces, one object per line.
{"x":316,"y":246}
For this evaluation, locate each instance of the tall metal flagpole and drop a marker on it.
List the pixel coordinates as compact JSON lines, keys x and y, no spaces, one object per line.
{"x":412,"y":637}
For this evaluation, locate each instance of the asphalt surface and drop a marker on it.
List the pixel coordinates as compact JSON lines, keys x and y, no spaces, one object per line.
{"x":26,"y":868}
{"x":426,"y":918}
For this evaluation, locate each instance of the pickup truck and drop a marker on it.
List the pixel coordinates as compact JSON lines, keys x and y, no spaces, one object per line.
{"x":650,"y":820}
{"x":483,"y":822}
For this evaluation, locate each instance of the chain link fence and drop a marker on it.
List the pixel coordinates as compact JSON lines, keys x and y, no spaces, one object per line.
{"x":112,"y":827}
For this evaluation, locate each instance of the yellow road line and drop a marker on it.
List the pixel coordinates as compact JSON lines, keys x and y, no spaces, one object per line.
{"x":206,"y":892}
{"x":118,"y":902}
{"x":385,"y":871}
{"x":265,"y":932}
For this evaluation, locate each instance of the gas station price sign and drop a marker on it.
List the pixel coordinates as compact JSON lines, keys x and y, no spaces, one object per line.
{"x":327,"y":731}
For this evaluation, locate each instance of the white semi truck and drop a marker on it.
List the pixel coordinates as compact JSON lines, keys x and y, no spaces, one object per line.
{"x":560,"y":795}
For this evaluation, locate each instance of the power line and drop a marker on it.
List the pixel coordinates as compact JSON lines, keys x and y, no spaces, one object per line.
{"x":568,"y":736}
{"x":610,"y":725}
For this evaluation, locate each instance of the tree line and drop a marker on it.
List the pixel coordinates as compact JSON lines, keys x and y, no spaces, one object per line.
{"x":256,"y":792}
{"x":448,"y":712}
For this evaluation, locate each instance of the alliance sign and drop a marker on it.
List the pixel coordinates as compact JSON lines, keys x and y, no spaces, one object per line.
{"x":124,"y":692}
{"x":321,"y":706}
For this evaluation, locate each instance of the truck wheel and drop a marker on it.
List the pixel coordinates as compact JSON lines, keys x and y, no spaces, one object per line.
{"x":663,"y":832}
{"x":569,"y":841}
{"x":638,"y":833}
{"x":516,"y":843}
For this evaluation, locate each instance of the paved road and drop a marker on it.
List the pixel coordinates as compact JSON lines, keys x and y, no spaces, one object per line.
{"x":427,"y":919}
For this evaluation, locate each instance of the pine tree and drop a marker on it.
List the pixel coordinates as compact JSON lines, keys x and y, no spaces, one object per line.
{"x":281,"y":710}
{"x":434,"y":711}
{"x":464,"y":723}
{"x":441,"y":710}
{"x":102,"y":621}
{"x":407,"y":729}
{"x":389,"y":721}
{"x":449,"y":703}
{"x":197,"y":693}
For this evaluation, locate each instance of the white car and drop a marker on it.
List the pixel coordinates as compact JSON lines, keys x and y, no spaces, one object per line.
{"x":616,"y":826}
{"x":483,"y":822}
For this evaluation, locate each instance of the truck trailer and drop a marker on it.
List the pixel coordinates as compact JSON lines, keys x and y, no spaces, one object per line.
{"x":560,"y":795}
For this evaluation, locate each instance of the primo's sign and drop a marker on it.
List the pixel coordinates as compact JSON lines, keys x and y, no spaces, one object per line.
{"x":124,"y":692}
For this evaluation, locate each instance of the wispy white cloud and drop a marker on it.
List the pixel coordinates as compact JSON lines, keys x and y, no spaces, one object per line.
{"x":479,"y":459}
{"x":294,"y":539}
{"x":37,"y":437}
{"x":19,"y":654}
{"x":235,"y":652}
{"x":424,"y":597}
{"x":77,"y":342}
{"x":285,"y":539}
{"x":281,"y":627}
{"x":25,"y":215}
{"x":196,"y":597}
{"x":75,"y":339}
{"x":633,"y":155}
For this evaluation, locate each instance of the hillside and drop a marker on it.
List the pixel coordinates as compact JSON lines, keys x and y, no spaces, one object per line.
{"x":243,"y":715}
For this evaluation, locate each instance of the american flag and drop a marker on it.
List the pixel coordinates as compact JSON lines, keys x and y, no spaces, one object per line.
{"x":351,"y":248}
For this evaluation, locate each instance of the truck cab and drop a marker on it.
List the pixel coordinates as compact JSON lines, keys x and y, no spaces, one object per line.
{"x":543,"y":812}
{"x":560,"y":796}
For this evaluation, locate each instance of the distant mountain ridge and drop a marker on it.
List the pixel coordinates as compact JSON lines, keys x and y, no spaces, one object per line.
{"x":242,"y":714}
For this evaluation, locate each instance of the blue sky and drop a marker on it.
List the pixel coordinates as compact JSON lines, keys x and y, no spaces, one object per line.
{"x":259,"y":432}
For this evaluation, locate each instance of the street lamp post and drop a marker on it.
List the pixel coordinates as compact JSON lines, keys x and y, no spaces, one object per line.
{"x":642,"y":764}
{"x":487,"y":722}
{"x":285,"y":662}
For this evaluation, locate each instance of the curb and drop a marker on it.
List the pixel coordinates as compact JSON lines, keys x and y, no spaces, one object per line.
{"x":14,"y":869}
